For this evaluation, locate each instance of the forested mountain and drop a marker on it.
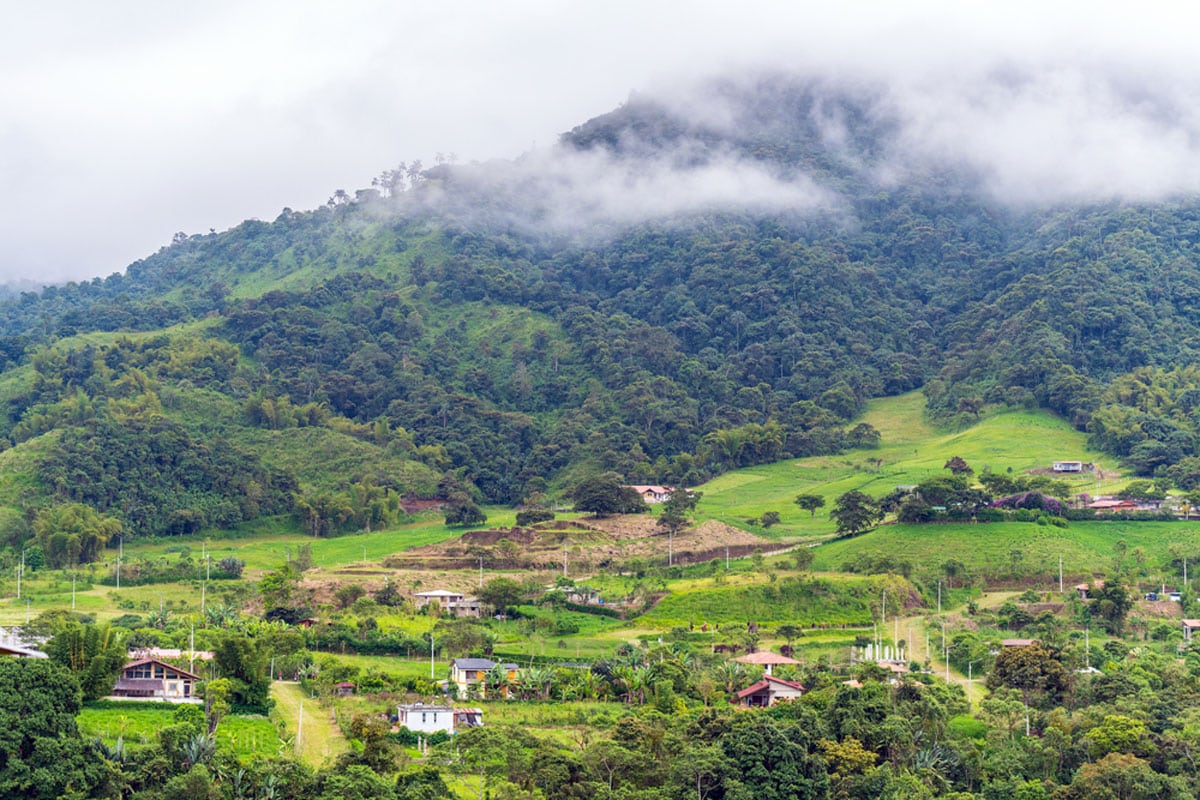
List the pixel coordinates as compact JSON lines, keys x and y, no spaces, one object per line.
{"x":674,"y":290}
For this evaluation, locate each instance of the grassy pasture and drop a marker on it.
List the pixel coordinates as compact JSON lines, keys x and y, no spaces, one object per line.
{"x":912,"y":450}
{"x":834,"y":600}
{"x":268,"y":551}
{"x":1085,"y":547}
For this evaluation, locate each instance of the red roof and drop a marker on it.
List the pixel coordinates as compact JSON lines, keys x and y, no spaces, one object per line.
{"x":765,"y":657}
{"x":766,"y":683}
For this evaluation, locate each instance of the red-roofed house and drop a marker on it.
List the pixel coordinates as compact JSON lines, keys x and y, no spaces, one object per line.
{"x":1112,"y":505}
{"x":1190,"y":627}
{"x":653,"y":494}
{"x":769,"y":691}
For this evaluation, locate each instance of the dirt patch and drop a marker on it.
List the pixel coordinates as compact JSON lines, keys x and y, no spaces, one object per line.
{"x":493,"y":536}
{"x":584,"y":544}
{"x":1165,"y":609}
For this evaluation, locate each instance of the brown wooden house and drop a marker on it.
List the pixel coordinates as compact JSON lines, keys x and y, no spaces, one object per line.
{"x":152,"y":679}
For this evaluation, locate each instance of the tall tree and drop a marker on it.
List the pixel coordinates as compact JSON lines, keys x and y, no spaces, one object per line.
{"x":603,"y":494}
{"x":855,"y":512}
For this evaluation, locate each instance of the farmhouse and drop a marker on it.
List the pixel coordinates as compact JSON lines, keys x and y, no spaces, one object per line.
{"x":653,"y":494}
{"x":470,"y":674}
{"x":18,"y":651}
{"x":1068,"y":466}
{"x":1112,"y":505}
{"x":769,"y":691}
{"x":155,"y":680}
{"x":423,"y":718}
{"x":454,"y":603}
{"x":1190,"y":627}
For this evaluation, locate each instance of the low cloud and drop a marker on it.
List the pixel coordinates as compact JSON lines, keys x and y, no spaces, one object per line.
{"x":565,"y":191}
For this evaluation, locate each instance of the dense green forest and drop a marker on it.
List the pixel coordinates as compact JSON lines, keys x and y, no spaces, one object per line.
{"x":432,"y":319}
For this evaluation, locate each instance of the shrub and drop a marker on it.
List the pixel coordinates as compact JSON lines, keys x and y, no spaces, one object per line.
{"x":532,"y":516}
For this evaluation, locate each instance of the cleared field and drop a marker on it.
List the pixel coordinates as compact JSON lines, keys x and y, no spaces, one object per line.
{"x":825,"y":600}
{"x":139,"y":723}
{"x":269,"y":551}
{"x":912,"y":450}
{"x":1024,"y":548}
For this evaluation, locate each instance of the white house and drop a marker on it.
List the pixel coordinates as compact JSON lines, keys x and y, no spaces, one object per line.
{"x":769,"y":691}
{"x":454,"y":603}
{"x":421,"y":718}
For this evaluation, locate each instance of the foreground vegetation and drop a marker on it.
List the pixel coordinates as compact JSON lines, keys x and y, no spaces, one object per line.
{"x":264,"y":443}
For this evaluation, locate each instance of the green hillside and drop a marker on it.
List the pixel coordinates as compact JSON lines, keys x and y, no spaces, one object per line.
{"x":912,"y":449}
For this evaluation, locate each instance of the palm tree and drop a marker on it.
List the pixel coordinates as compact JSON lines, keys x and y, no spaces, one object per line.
{"x":540,"y":680}
{"x":496,"y":682}
{"x":730,"y":674}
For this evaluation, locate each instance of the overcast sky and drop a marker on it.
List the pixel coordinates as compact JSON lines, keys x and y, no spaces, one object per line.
{"x":124,"y":122}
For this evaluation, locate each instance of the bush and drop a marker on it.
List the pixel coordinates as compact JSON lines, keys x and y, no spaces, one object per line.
{"x":532,"y":516}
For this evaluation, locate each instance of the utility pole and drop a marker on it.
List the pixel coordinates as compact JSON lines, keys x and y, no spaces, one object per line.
{"x":20,"y":572}
{"x":72,"y":592}
{"x":120,"y":552}
{"x":481,"y":572}
{"x":939,"y":597}
{"x":431,"y":655}
{"x":1060,"y":579}
{"x":945,"y":652}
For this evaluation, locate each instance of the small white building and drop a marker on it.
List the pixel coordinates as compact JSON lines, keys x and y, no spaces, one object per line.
{"x":454,"y":603}
{"x":422,"y":718}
